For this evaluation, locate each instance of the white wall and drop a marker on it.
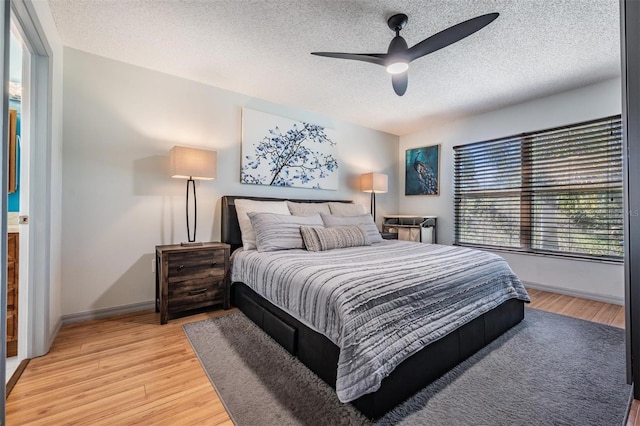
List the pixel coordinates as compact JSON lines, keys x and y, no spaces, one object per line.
{"x":119,"y":202}
{"x":595,"y":279}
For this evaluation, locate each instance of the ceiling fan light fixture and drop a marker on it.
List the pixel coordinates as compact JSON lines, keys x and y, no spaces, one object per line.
{"x":399,"y":54}
{"x":397,"y":67}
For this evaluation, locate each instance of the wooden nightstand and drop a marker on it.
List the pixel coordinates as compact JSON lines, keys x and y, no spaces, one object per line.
{"x":190,"y":278}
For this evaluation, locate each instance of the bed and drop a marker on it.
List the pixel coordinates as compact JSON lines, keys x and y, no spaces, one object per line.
{"x":412,"y":360}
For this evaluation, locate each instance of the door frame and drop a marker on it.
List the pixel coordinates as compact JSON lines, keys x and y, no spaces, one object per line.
{"x":37,"y":126}
{"x":4,"y":113}
{"x":630,"y":55}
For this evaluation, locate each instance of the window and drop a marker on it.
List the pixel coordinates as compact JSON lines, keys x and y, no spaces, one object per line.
{"x":557,"y":191}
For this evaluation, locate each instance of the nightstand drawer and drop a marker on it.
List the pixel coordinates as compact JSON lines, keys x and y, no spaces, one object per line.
{"x":194,"y":286}
{"x":190,"y":274}
{"x":195,"y":294}
{"x":196,"y":264}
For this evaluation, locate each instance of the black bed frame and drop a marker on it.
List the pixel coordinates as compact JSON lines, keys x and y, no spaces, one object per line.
{"x":320,"y":354}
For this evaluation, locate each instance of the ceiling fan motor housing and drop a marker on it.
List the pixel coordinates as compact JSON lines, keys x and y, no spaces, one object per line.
{"x":397,"y":51}
{"x":398,"y":44}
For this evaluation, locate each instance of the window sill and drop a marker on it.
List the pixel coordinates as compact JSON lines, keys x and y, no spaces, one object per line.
{"x":543,"y":254}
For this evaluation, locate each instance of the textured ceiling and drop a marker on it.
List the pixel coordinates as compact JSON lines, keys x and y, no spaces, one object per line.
{"x":261,"y":48}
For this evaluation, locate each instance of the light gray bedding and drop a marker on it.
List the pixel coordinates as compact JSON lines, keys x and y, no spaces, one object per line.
{"x":382,"y":303}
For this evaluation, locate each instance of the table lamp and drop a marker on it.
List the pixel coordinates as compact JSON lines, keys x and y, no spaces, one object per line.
{"x":192,"y":164}
{"x":374,"y":183}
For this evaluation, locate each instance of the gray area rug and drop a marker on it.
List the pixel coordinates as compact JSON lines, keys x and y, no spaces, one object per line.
{"x":548,"y":370}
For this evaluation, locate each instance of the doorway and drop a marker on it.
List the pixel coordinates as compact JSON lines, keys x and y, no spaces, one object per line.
{"x":17,"y":206}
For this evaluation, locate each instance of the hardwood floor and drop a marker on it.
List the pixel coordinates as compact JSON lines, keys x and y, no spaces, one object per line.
{"x":123,"y":370}
{"x":131,"y":370}
{"x":590,"y":310}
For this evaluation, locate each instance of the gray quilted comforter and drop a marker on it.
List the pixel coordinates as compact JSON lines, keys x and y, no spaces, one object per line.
{"x":381,"y":303}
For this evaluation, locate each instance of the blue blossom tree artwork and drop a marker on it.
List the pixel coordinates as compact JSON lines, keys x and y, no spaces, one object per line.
{"x":422,"y":171}
{"x":278,"y":151}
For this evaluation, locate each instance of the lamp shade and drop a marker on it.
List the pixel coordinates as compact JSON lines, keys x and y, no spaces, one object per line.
{"x":192,"y":163}
{"x":374,"y":182}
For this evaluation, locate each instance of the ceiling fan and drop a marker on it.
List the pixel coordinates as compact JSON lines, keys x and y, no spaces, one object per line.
{"x":399,"y":54}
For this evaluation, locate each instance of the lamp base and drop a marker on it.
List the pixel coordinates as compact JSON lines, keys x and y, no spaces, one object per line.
{"x":192,"y":244}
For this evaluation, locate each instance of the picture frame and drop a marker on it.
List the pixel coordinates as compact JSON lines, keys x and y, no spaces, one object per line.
{"x":422,"y":171}
{"x":278,"y":151}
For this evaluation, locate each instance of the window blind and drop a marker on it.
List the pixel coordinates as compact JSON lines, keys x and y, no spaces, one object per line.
{"x":556,"y":191}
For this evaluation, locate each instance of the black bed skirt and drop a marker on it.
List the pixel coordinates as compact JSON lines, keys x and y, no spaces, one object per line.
{"x":320,"y":354}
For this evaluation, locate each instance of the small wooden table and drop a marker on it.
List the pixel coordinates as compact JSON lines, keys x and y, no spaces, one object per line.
{"x":191,"y":278}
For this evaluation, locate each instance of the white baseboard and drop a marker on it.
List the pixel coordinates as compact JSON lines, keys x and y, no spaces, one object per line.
{"x":107,"y":312}
{"x":576,"y":293}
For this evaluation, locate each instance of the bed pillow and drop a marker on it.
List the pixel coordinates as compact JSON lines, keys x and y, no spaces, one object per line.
{"x":347,"y":209}
{"x":280,"y":231}
{"x":308,"y":209}
{"x":321,"y":239}
{"x":331,"y":221}
{"x":244,"y":206}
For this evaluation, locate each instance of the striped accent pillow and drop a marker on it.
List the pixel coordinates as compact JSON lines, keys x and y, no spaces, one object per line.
{"x":321,"y":239}
{"x":331,"y":221}
{"x":279,"y":231}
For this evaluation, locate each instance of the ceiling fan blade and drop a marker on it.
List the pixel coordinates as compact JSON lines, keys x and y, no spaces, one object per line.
{"x":451,"y":35}
{"x":373,"y":58}
{"x":400,"y":82}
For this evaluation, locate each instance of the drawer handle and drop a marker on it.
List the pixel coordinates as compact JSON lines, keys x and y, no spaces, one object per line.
{"x":213,"y":264}
{"x":180,"y":268}
{"x":198,"y":291}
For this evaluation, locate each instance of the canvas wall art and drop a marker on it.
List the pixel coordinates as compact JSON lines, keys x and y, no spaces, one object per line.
{"x":422,"y":171}
{"x":279,"y":151}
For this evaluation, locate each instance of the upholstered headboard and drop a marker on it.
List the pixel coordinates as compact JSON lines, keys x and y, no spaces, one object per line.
{"x":230,"y":229}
